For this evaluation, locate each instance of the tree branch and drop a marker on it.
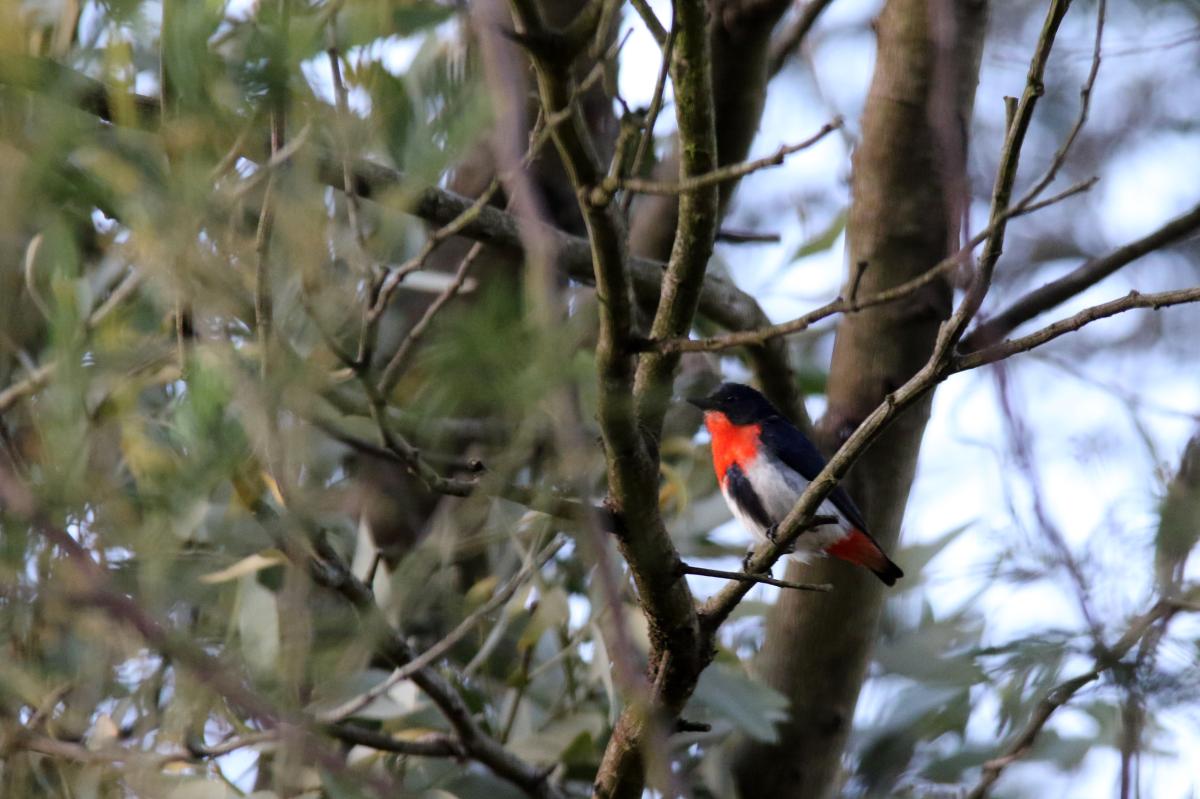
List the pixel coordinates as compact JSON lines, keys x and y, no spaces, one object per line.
{"x":789,"y":40}
{"x":330,"y":571}
{"x":426,"y":746}
{"x":1133,"y":299}
{"x":724,"y":174}
{"x":853,"y":304}
{"x":1062,"y":693}
{"x":1006,"y":175}
{"x":439,"y":649}
{"x":1081,"y":278}
{"x":745,"y":577}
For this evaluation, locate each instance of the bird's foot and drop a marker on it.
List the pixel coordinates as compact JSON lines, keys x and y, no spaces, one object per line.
{"x":749,"y":556}
{"x":772,"y":534}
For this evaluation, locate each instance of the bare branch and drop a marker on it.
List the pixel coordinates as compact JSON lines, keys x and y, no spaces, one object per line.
{"x":1006,"y":175}
{"x":1079,"y":279}
{"x":1085,"y":98}
{"x":854,"y":304}
{"x":731,"y":236}
{"x":391,"y":372}
{"x":652,"y":23}
{"x":765,"y":579}
{"x":656,"y":100}
{"x":410,"y":455}
{"x":439,"y":649}
{"x":789,"y":41}
{"x":724,"y":174}
{"x":25,"y":739}
{"x":1133,"y":299}
{"x":434,"y":745}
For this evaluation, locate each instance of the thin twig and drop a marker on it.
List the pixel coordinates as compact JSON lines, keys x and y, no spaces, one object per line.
{"x":755,"y":578}
{"x":399,"y":445}
{"x":435,"y":652}
{"x":652,"y":23}
{"x":785,"y":44}
{"x":1133,"y":299}
{"x":79,"y":753}
{"x":1083,"y":277}
{"x":391,"y":372}
{"x":656,"y":101}
{"x":1062,"y":693}
{"x":396,"y":276}
{"x":724,"y":174}
{"x":434,"y":745}
{"x":730,"y":236}
{"x":366,"y":328}
{"x":852,"y":304}
{"x":1085,"y":97}
{"x":1006,"y":174}
{"x":39,"y":377}
{"x":341,"y":97}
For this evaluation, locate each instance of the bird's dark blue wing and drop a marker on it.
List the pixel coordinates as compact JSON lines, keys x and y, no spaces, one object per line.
{"x":740,"y":491}
{"x":782,"y":439}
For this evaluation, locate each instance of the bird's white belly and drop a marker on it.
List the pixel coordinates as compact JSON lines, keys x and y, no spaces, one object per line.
{"x":779,"y":488}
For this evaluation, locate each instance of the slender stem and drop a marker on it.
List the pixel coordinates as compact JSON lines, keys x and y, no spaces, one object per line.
{"x":715,"y":177}
{"x":755,"y":578}
{"x":656,"y":101}
{"x":439,"y":649}
{"x":853,"y":303}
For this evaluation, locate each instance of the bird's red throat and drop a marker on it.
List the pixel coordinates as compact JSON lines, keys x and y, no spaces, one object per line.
{"x":731,"y":443}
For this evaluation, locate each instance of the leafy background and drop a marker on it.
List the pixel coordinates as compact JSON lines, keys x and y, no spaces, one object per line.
{"x":155,"y":464}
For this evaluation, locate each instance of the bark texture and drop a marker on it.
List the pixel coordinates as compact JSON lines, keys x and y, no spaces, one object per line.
{"x":903,"y":219}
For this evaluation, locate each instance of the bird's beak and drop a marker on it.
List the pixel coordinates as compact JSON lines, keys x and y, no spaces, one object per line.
{"x":703,"y":403}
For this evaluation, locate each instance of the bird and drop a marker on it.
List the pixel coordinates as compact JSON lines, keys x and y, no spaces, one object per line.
{"x":764,"y":463}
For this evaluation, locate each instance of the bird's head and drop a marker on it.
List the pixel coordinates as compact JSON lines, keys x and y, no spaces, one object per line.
{"x":740,"y":404}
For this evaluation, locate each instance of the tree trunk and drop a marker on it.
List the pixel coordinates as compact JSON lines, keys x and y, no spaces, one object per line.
{"x":908,"y":194}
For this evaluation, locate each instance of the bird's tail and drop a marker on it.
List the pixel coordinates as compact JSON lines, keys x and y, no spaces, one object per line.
{"x":861,"y":550}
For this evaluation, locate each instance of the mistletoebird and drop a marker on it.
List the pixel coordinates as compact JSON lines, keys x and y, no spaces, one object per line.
{"x":764,"y":463}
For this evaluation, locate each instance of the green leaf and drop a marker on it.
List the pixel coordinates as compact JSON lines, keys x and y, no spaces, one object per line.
{"x":954,"y":639}
{"x":408,"y":18}
{"x":341,"y":785}
{"x":552,"y":613}
{"x":752,"y":707}
{"x":915,"y":558}
{"x":574,"y":734}
{"x":1065,"y":751}
{"x":258,"y":627}
{"x":366,"y":21}
{"x":823,"y":240}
